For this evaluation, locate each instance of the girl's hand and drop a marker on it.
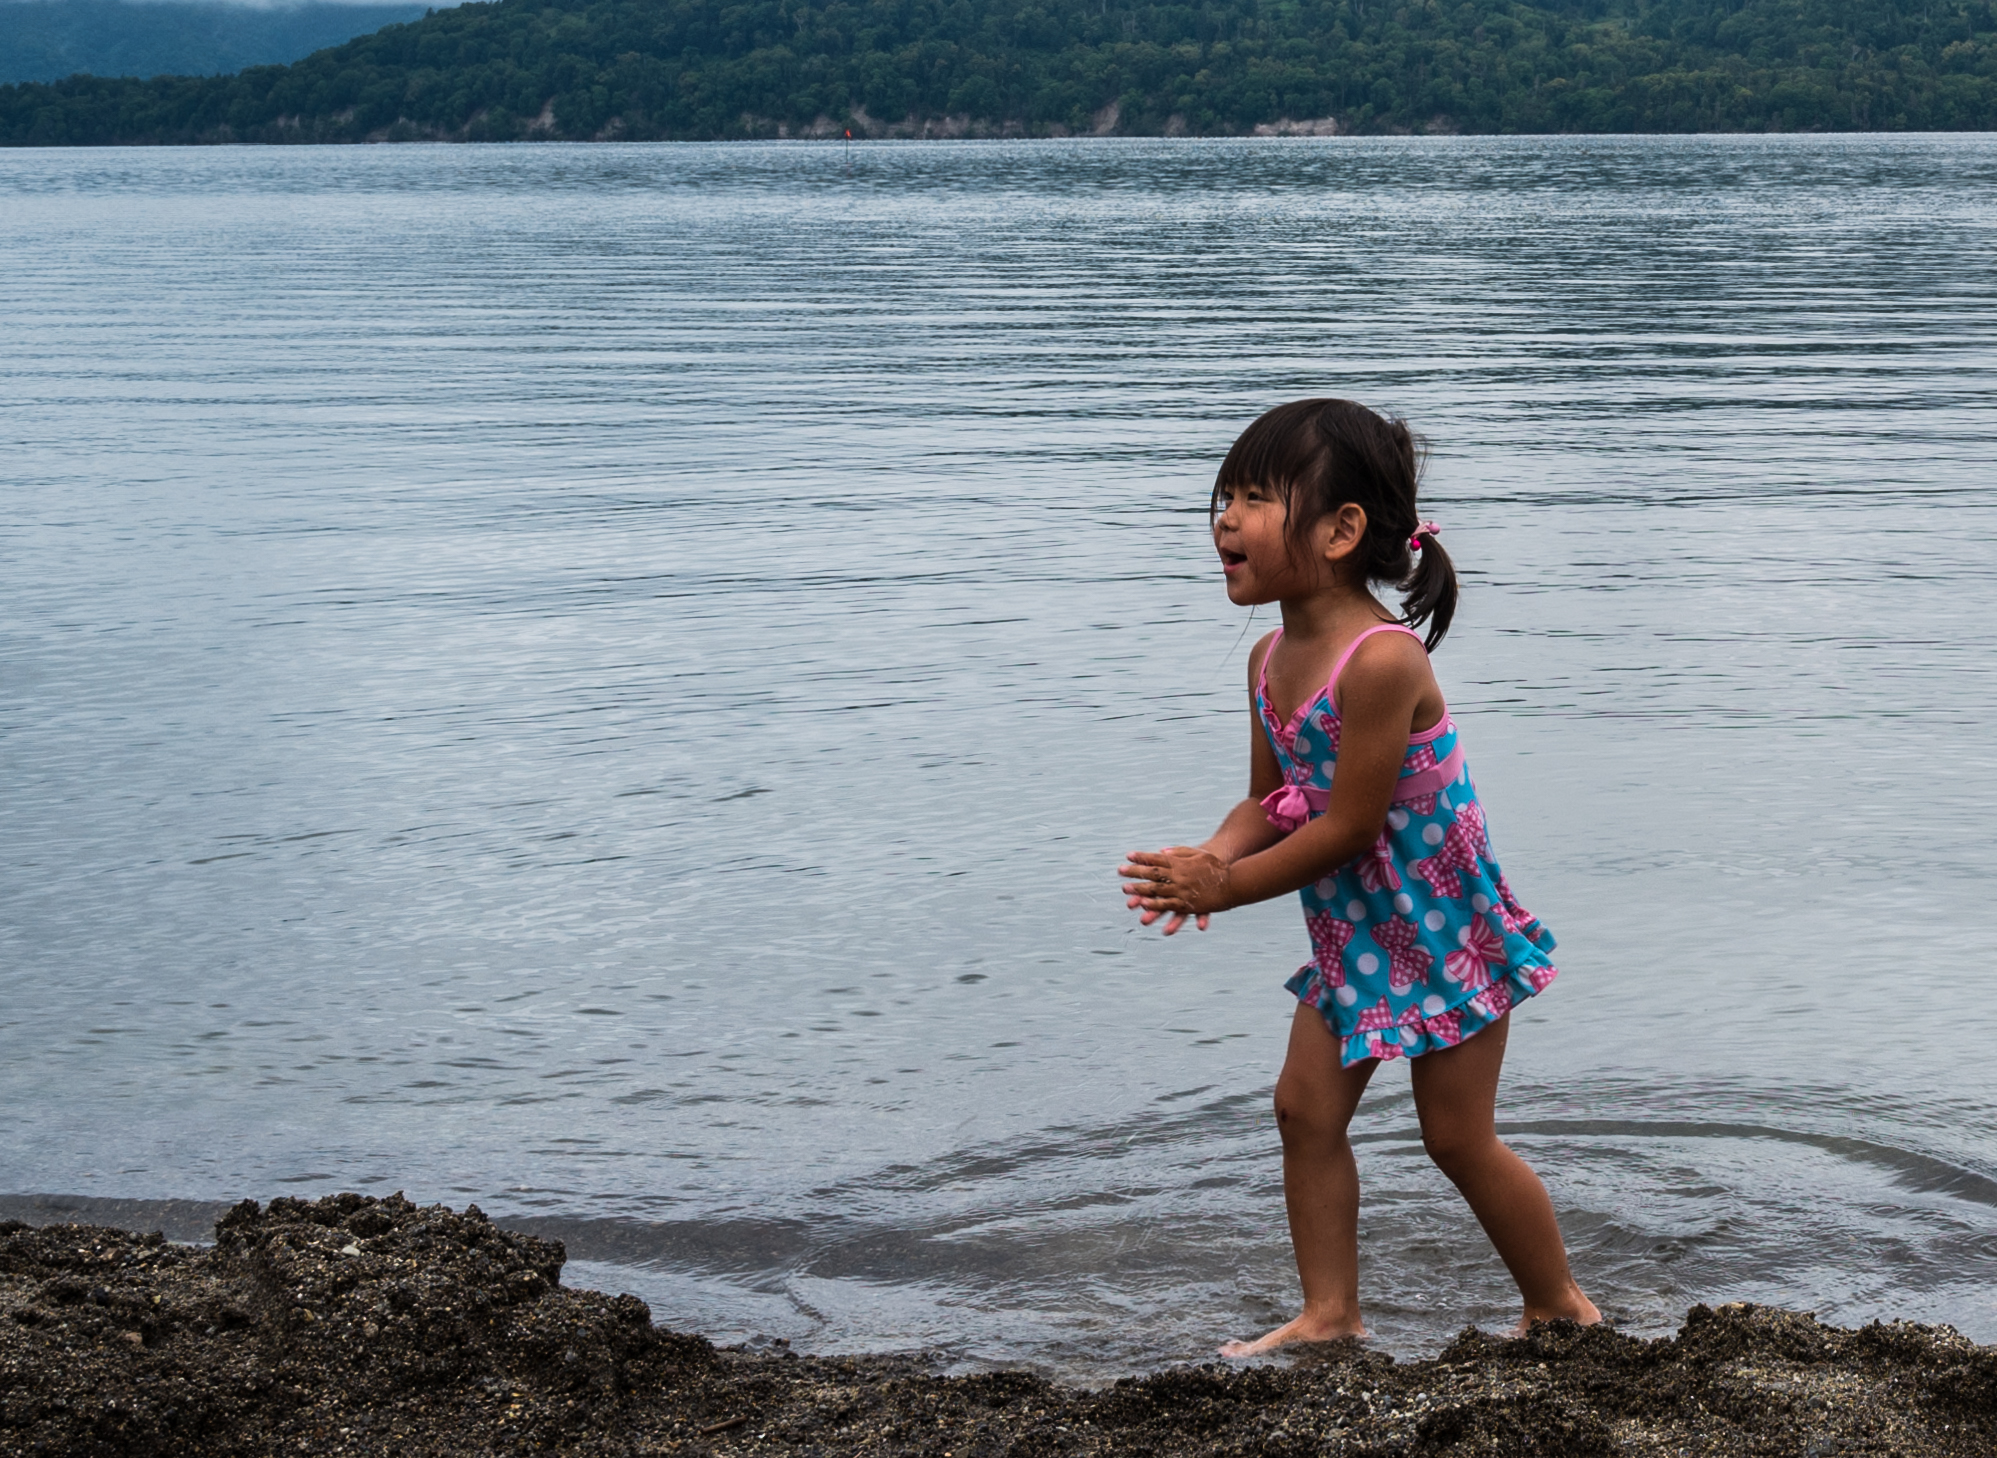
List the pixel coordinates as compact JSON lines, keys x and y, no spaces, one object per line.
{"x":1176,"y":883}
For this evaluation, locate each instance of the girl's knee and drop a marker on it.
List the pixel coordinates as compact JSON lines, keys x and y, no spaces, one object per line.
{"x":1290,"y":1110}
{"x":1301,"y":1114}
{"x":1458,"y":1151}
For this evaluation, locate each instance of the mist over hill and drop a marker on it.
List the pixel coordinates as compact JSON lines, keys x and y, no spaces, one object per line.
{"x":44,"y":40}
{"x":643,"y":69}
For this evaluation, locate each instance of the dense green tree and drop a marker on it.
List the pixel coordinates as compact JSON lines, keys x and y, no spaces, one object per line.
{"x":580,"y":69}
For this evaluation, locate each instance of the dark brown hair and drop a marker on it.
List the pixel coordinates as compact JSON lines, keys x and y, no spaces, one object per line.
{"x":1318,"y":455}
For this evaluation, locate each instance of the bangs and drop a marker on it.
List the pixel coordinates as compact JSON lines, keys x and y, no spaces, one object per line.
{"x":1280,"y":452}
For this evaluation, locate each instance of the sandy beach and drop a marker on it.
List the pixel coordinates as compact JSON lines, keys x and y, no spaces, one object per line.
{"x":362,"y":1326}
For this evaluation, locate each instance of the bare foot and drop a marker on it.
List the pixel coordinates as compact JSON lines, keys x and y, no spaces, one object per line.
{"x":1579,"y":1310}
{"x":1306,"y":1328}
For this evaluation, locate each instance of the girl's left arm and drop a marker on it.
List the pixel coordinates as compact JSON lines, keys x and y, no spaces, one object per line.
{"x":1380,"y":692}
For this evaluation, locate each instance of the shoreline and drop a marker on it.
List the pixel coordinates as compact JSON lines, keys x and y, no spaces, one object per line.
{"x":353,"y":1325}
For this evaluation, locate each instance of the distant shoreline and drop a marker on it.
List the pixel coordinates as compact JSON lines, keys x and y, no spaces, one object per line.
{"x":707,"y":70}
{"x":935,"y":130}
{"x":355,"y":1325}
{"x":836,"y":144}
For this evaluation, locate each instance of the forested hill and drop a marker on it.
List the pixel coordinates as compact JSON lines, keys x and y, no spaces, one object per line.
{"x":583,"y":69}
{"x":41,"y":40}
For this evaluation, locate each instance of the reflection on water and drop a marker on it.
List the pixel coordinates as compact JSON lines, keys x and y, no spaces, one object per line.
{"x":611,"y":682}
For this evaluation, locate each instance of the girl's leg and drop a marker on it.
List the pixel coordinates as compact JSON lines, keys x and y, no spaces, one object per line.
{"x":1456,"y":1095}
{"x":1315,"y":1099}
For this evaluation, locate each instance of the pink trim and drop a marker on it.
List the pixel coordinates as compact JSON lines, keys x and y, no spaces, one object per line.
{"x":1287,"y":729}
{"x":1352,"y":648}
{"x":1428,"y":781}
{"x":1435,"y":731}
{"x":1262,"y":677}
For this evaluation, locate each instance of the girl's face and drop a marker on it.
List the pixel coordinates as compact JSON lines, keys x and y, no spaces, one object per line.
{"x":1261,"y":563}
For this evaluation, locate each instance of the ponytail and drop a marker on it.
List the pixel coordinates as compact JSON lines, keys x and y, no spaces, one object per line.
{"x":1429,"y":590}
{"x":1427,"y":579}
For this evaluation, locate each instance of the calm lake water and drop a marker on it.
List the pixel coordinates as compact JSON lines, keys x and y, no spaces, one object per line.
{"x":611,"y":682}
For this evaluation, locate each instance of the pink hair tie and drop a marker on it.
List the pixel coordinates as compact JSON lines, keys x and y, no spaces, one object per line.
{"x":1426,"y":529}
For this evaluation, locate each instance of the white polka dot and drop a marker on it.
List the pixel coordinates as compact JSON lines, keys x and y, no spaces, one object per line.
{"x":1328,"y":887}
{"x":1409,"y":1037}
{"x":1368,"y":963}
{"x":1434,"y":920}
{"x":1443,"y":801}
{"x":1404,"y":903}
{"x":1463,"y":937}
{"x":1431,"y":1005}
{"x":1303,"y":744}
{"x":1431,"y":834}
{"x":1481,"y":902}
{"x":1398,"y":819}
{"x":1355,"y":910}
{"x":1346,"y":996}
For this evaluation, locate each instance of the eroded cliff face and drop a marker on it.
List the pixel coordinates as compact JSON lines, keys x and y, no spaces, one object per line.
{"x":353,"y":1325}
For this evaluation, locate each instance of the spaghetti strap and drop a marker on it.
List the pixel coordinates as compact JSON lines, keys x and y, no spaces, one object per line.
{"x":1331,"y":688}
{"x":1262,"y":678}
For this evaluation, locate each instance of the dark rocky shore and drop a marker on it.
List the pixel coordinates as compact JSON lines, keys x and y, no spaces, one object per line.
{"x":360,"y":1326}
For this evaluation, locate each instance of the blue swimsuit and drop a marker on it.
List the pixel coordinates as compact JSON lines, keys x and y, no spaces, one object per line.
{"x":1418,"y":943}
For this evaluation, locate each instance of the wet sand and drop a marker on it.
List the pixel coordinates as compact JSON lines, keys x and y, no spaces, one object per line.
{"x":352,"y":1325}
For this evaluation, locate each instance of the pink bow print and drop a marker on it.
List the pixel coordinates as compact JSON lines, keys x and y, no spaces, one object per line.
{"x":1329,"y":938}
{"x":1494,"y":1001}
{"x":1459,"y":851}
{"x":1515,"y":916}
{"x":1377,"y":871}
{"x":1482,"y":950}
{"x":1375,"y":1018}
{"x":1406,"y":961}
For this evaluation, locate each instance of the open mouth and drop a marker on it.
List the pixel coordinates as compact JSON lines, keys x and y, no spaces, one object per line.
{"x":1231,"y":560}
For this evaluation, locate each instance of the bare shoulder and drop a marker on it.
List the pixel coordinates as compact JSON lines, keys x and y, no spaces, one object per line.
{"x":1387,"y":665}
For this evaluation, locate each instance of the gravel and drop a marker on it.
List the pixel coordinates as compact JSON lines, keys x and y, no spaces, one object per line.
{"x":359,"y":1326}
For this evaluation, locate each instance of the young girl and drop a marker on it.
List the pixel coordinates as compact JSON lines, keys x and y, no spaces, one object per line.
{"x":1419,"y":949}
